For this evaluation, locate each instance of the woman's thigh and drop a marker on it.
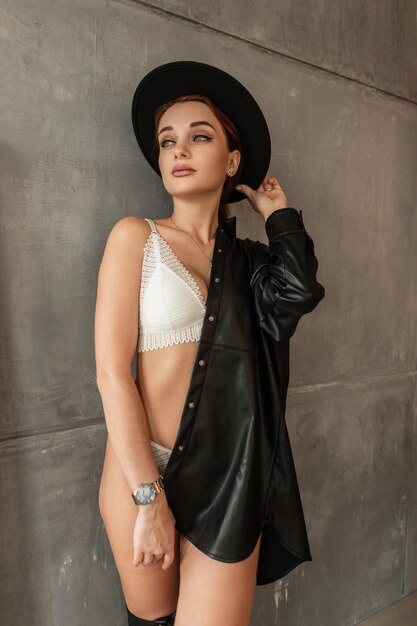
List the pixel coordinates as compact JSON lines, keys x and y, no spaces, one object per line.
{"x":213,"y":592}
{"x":150,"y":591}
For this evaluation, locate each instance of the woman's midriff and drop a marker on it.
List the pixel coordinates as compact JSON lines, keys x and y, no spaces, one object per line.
{"x":163,"y":379}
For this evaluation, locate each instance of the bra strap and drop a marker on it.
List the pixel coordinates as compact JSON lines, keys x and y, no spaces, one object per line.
{"x":154,"y":239}
{"x":152,"y":224}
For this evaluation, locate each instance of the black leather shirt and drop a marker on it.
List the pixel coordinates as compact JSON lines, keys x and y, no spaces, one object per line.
{"x":231,"y":473}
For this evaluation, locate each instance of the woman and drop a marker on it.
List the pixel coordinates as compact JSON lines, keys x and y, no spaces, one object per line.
{"x":196,"y":566}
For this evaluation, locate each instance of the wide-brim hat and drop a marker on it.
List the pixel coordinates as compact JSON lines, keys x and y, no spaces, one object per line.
{"x":179,"y":78}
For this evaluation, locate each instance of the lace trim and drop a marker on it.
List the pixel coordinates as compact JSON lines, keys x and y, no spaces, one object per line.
{"x":179,"y":267}
{"x":155,"y":340}
{"x":152,"y":341}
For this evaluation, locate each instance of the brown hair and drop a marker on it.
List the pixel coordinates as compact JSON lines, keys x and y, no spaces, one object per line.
{"x":232,"y":138}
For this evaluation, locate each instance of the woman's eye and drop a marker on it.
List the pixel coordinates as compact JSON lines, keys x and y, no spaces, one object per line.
{"x":205,"y":137}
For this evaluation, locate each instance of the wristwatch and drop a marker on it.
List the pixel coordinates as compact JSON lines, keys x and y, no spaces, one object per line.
{"x":147,"y":492}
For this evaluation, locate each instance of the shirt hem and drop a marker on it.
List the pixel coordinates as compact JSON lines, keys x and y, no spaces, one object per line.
{"x":214,"y":556}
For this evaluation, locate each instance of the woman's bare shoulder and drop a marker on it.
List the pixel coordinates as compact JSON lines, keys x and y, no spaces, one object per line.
{"x":129,"y":231}
{"x":130,"y":226}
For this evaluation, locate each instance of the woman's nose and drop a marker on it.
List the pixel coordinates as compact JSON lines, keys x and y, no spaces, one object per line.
{"x":181,"y":149}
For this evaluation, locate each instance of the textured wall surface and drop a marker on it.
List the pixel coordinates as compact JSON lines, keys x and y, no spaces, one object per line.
{"x":373,"y":43}
{"x":337,"y":86}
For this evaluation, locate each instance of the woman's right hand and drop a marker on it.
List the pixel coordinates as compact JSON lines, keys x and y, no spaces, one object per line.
{"x":154,"y":533}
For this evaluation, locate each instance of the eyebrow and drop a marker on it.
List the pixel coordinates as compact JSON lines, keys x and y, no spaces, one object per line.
{"x":191,"y":125}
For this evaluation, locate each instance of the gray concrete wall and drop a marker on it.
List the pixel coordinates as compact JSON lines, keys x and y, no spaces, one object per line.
{"x":336,"y":82}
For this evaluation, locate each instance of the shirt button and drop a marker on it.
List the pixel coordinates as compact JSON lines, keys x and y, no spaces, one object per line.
{"x":201,"y":362}
{"x":217,"y":279}
{"x":191,"y":405}
{"x":181,"y":448}
{"x":219,"y":250}
{"x":211,"y":318}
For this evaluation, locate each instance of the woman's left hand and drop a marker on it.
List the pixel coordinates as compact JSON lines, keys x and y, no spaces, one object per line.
{"x":267,"y":198}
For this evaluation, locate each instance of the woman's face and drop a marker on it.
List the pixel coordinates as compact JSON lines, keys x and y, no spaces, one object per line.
{"x":191,"y":136}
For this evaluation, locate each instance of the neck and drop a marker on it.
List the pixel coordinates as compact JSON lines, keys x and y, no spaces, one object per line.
{"x":200,"y":221}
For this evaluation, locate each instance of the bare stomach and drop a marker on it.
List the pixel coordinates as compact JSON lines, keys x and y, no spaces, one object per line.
{"x":163,"y":379}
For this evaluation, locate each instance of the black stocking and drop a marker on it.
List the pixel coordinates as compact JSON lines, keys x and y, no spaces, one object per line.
{"x":166,"y":620}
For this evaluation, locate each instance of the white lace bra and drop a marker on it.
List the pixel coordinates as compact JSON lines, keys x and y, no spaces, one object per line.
{"x":171,"y":306}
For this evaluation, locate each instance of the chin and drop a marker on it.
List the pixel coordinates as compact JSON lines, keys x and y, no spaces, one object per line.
{"x":192,"y":186}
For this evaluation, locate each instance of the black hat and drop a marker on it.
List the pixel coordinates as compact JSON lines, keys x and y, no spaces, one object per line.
{"x":172,"y":80}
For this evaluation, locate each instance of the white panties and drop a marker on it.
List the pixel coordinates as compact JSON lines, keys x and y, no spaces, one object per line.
{"x":161,"y":456}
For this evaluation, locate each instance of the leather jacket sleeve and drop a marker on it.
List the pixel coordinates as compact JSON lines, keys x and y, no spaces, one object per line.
{"x":283,"y":274}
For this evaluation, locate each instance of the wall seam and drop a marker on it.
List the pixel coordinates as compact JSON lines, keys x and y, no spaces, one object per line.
{"x":38,"y":432}
{"x":100,"y":421}
{"x":262,"y":48}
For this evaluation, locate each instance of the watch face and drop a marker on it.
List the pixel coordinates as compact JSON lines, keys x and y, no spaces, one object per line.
{"x":145,"y":494}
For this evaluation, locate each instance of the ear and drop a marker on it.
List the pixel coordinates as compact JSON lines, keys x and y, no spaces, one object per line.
{"x":234,"y":159}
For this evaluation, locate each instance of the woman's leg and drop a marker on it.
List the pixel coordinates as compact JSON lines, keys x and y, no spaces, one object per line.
{"x":134,"y":620}
{"x":150,"y":592}
{"x":212,"y":592}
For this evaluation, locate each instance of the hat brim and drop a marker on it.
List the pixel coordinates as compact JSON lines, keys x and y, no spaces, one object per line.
{"x":178,"y":78}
